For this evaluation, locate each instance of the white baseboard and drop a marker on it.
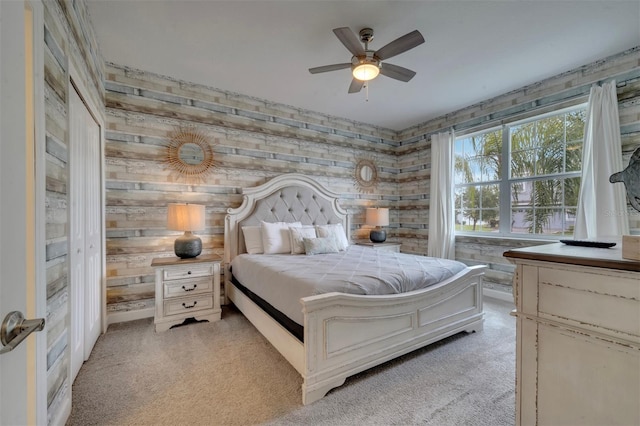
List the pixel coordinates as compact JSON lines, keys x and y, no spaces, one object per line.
{"x":129,"y":315}
{"x":496,"y":294}
{"x":61,"y":417}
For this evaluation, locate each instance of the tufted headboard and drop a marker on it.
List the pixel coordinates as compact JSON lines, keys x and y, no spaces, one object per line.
{"x":286,"y":198}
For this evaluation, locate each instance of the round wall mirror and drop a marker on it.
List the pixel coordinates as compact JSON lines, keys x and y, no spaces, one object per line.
{"x":189,"y":152}
{"x":366,"y":175}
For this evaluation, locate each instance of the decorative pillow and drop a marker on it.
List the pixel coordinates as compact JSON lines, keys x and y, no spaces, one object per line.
{"x":319,"y":245}
{"x":253,"y":239}
{"x":335,"y":231}
{"x":297,"y":235}
{"x":275,"y":236}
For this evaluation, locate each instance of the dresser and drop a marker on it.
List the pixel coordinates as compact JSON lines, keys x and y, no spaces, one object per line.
{"x":381,"y":246}
{"x":186,"y":288}
{"x":577,"y":336}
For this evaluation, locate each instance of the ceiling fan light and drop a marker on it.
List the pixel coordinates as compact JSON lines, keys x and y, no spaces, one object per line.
{"x":365,"y":72}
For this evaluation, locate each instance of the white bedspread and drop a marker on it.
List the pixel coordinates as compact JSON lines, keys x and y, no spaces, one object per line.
{"x":282,"y":280}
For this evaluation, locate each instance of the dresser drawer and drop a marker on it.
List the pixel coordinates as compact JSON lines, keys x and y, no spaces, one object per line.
{"x":191,"y":271}
{"x":187,"y":287}
{"x":186,"y":305}
{"x":607,"y":303}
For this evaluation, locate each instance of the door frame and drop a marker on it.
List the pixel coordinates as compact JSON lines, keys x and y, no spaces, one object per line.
{"x":23,"y":110}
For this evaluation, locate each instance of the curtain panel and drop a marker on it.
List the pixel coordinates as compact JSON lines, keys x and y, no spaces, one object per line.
{"x":441,"y":241}
{"x":602,"y":207}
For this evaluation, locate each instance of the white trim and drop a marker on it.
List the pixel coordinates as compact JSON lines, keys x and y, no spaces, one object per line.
{"x":497,"y":294}
{"x":116,"y":317}
{"x":62,"y":414}
{"x":40,"y":210}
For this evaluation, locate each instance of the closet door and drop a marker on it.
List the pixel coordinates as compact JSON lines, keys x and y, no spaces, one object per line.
{"x":85,"y":226}
{"x":93,"y":226}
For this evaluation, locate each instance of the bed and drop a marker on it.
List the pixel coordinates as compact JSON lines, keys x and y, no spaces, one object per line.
{"x":341,"y":334}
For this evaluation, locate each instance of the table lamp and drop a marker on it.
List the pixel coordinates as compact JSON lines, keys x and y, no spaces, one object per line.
{"x":377,"y":217}
{"x":186,"y":217}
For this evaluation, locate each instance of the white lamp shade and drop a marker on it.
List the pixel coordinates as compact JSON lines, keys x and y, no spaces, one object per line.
{"x":185,"y":217}
{"x":365,"y":72}
{"x":377,"y":217}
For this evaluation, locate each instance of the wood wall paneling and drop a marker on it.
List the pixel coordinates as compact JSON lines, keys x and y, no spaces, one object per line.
{"x":256,"y":140}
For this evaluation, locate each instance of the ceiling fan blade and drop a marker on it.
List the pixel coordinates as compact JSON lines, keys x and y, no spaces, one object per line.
{"x":394,"y":71}
{"x":356,"y":85}
{"x":350,"y":41}
{"x":326,"y":68}
{"x":400,"y":45}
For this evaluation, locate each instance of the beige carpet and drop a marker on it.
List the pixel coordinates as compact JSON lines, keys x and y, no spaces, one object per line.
{"x":226,"y":373}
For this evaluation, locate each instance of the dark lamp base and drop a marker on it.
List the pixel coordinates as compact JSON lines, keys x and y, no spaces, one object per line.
{"x":378,"y":235}
{"x":187,"y":246}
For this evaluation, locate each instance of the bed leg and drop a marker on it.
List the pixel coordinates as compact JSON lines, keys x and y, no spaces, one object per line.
{"x":476,"y":327}
{"x":311,"y":394}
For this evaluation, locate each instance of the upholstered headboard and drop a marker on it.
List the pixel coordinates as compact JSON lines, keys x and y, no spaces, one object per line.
{"x":286,"y":198}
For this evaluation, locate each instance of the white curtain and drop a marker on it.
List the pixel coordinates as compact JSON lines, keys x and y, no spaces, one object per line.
{"x":601,"y":205}
{"x":441,"y":215}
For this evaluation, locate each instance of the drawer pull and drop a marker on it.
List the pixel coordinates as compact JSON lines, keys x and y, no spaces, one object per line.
{"x":184,"y":305}
{"x":190,"y":289}
{"x":188,"y":272}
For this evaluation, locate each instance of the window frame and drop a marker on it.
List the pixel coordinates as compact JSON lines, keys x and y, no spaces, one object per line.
{"x":506,"y":180}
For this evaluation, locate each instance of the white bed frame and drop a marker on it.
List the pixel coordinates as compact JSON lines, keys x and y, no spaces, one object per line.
{"x":345,"y":334}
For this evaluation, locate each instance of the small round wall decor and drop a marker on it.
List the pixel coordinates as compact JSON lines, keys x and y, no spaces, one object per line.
{"x":190,"y":152}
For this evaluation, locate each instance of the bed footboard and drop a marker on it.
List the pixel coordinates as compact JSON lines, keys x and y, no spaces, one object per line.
{"x":346,"y":334}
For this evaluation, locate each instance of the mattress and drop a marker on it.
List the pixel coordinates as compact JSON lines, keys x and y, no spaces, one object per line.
{"x":282,"y":279}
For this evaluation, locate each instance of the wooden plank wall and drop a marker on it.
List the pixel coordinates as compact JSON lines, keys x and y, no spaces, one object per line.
{"x":255,"y":140}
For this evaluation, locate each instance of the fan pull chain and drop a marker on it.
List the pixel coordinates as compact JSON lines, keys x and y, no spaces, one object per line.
{"x":366,"y":86}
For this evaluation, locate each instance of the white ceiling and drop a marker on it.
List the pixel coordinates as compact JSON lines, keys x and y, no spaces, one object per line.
{"x":474,"y":50}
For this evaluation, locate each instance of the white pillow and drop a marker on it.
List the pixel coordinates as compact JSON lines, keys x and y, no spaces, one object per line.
{"x":253,"y":239}
{"x":275,"y":236}
{"x":320,"y":246}
{"x":336,"y":231}
{"x":297,"y":235}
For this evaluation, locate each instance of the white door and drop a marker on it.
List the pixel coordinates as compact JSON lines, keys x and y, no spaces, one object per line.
{"x":93,"y":236}
{"x":22,"y":286}
{"x":85,"y":231}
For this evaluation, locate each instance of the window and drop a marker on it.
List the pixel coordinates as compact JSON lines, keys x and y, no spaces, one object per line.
{"x":534,"y":192}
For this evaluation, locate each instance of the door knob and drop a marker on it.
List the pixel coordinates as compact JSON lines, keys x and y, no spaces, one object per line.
{"x":15,"y":329}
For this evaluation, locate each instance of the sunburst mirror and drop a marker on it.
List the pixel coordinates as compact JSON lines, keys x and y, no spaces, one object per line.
{"x":366,"y":175}
{"x":190,"y":153}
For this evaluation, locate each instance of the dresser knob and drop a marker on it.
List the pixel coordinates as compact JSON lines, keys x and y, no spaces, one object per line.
{"x":190,"y":289}
{"x":184,"y":305}
{"x":188,"y":272}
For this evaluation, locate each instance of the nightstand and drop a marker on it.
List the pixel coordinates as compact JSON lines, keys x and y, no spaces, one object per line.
{"x":381,"y":246}
{"x":186,"y":288}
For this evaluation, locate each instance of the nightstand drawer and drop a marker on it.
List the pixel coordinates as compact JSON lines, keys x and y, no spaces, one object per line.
{"x":191,"y":271}
{"x":187,"y":287}
{"x":188,"y":304}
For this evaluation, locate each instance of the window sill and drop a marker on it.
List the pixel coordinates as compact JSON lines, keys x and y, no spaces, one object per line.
{"x":527,"y":239}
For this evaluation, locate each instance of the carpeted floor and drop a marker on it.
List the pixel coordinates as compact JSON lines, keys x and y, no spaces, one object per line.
{"x":226,"y":373}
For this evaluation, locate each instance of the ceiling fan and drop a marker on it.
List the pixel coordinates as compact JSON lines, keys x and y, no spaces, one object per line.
{"x":367,"y":64}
